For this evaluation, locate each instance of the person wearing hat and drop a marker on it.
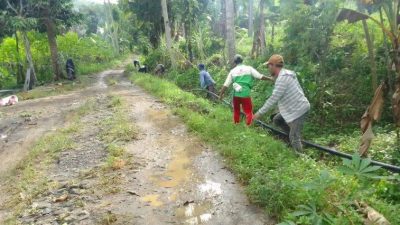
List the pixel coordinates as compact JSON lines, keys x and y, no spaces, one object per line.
{"x":206,"y":81}
{"x":242,"y":78}
{"x":292,"y":103}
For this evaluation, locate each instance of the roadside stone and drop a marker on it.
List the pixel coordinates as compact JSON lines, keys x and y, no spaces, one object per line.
{"x":61,"y":198}
{"x":28,"y":220}
{"x":47,"y":211}
{"x":43,"y":205}
{"x":74,"y":191}
{"x":83,"y":215}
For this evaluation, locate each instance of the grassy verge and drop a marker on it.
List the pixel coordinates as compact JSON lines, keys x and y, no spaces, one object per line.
{"x":290,"y":188}
{"x":116,"y":131}
{"x":29,"y":178}
{"x":83,"y":80}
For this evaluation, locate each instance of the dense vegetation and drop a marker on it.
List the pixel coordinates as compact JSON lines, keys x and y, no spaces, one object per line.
{"x":340,"y":61}
{"x":78,"y":33}
{"x":89,"y":53}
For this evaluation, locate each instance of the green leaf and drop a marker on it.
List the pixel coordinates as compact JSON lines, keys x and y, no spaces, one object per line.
{"x":329,"y":219}
{"x":325,"y":175}
{"x":356,"y":161}
{"x":317,"y":220}
{"x":370,"y":169}
{"x":347,"y":162}
{"x":365,"y":163}
{"x":301,"y":213}
{"x":287,"y":223}
{"x":346,"y":170}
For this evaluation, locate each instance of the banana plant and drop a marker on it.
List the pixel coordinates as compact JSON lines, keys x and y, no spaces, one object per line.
{"x":391,"y":9}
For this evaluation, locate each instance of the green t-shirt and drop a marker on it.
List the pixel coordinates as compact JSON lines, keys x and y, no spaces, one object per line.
{"x":244,"y":76}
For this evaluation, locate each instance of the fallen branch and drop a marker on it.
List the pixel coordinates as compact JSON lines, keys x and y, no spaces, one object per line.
{"x":372,"y":217}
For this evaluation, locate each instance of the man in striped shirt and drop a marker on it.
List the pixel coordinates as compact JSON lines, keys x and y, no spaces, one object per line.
{"x":292,"y":103}
{"x":242,"y":78}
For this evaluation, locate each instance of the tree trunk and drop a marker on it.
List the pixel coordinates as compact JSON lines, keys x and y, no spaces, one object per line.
{"x":188,"y":31}
{"x":396,"y":94}
{"x":223,"y":19}
{"x":112,"y":27}
{"x":251,"y":18}
{"x":396,"y":61}
{"x":51,"y":36}
{"x":371,"y":56}
{"x":259,"y":43}
{"x":28,"y":81}
{"x":230,"y":30}
{"x":200,"y":45}
{"x":30,"y":78}
{"x":216,"y":26}
{"x":262,"y":29}
{"x":387,"y":55}
{"x":20,"y":75}
{"x":115,"y":29}
{"x":167,"y":31}
{"x":188,"y":39}
{"x":272,"y":37}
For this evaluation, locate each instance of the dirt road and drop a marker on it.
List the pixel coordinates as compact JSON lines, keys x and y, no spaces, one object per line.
{"x":174,"y":177}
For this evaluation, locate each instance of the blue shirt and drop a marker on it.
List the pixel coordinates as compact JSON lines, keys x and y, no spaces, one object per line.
{"x":205,"y":79}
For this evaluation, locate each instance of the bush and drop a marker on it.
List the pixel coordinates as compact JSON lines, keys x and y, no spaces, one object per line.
{"x":215,"y":60}
{"x":5,"y":79}
{"x":157,"y":56}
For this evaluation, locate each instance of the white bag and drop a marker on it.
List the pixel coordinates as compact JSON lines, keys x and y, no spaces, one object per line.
{"x":237,"y":87}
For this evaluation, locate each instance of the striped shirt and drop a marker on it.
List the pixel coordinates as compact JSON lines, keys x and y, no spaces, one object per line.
{"x":243,"y":76}
{"x":289,"y":95}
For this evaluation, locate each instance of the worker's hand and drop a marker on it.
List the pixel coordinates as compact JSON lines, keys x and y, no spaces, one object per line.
{"x":270,"y":78}
{"x":256,"y":116}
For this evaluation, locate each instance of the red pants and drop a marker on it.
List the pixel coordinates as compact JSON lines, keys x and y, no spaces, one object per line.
{"x":247,"y":107}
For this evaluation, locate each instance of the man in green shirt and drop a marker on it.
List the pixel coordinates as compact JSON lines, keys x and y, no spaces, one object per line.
{"x":242,"y":78}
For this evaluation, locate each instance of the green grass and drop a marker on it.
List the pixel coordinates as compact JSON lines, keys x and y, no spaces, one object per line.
{"x":275,"y":178}
{"x":98,"y":67}
{"x":108,"y":219}
{"x":117,"y":129}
